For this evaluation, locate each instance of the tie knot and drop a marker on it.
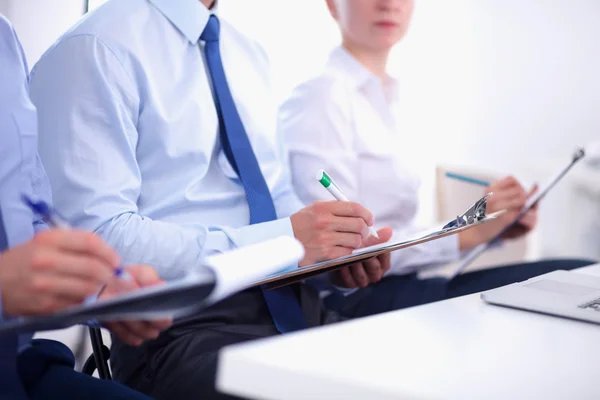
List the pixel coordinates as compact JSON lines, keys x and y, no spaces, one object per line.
{"x":211,"y":31}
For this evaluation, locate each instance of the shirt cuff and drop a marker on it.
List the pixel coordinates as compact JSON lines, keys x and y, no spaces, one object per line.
{"x":343,"y":290}
{"x":258,"y":233}
{"x":223,"y":239}
{"x":449,"y":248}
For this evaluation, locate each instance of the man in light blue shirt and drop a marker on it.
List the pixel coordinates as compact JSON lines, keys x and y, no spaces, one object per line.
{"x":54,"y":270}
{"x":158,"y":132}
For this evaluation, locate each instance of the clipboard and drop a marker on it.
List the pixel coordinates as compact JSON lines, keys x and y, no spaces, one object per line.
{"x":474,"y":216}
{"x":477,"y":251}
{"x":219,"y":276}
{"x":166,"y":300}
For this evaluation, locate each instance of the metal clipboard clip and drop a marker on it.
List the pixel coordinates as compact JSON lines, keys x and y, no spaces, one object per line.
{"x":476,"y":213}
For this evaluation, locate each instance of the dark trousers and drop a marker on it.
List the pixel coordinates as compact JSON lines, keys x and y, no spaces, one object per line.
{"x":182,"y":363}
{"x":46,"y":371}
{"x":397,"y":292}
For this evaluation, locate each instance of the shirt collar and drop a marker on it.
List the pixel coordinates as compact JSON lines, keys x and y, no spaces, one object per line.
{"x":342,"y":61}
{"x":188,"y":16}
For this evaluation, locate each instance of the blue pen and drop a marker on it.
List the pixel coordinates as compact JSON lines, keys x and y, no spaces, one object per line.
{"x":467,"y":179}
{"x":55,"y":221}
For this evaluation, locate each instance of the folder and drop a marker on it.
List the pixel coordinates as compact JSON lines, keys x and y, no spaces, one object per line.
{"x":219,"y":277}
{"x":474,"y":216}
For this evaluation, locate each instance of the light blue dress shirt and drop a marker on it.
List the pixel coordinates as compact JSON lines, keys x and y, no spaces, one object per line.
{"x":129,"y":134}
{"x":21,"y":171}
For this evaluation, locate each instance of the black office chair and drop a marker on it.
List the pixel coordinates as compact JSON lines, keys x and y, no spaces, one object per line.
{"x":98,"y":360}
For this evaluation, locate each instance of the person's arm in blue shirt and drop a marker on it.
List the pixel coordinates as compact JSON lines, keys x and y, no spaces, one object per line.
{"x":58,"y":268}
{"x":88,"y":109}
{"x":19,"y":171}
{"x":89,"y":98}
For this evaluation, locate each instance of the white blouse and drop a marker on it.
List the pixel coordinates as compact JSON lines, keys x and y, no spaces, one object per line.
{"x":345,"y":121}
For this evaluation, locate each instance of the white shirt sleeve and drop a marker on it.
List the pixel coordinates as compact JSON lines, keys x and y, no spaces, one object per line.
{"x":316,"y":124}
{"x":315,"y":127}
{"x":429,"y":254}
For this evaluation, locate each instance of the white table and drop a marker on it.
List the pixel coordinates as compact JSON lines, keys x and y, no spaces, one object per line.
{"x":455,"y":349}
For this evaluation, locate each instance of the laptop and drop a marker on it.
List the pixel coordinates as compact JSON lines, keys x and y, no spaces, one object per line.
{"x":561,"y":293}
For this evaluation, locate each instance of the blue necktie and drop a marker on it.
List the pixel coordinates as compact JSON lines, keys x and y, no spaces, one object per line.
{"x":10,"y":383}
{"x":282,"y":303}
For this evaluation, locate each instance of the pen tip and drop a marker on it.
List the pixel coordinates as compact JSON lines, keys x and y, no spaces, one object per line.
{"x":373,"y":232}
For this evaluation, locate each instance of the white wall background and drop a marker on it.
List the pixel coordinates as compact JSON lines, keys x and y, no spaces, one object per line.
{"x":495,"y":70}
{"x":40,"y":22}
{"x":507,"y":86}
{"x":536,"y":80}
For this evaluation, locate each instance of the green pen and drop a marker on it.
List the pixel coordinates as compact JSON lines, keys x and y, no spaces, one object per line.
{"x":336,"y":192}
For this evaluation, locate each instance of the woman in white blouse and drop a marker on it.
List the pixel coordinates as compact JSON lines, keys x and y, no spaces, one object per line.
{"x":345,"y":122}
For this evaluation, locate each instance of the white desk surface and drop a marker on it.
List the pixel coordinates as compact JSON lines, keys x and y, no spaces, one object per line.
{"x":455,"y":349}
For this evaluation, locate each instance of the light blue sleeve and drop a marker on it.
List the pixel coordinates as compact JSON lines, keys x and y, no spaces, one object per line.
{"x":9,"y":64}
{"x":285,"y":198}
{"x":88,"y":105}
{"x":18,"y":134}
